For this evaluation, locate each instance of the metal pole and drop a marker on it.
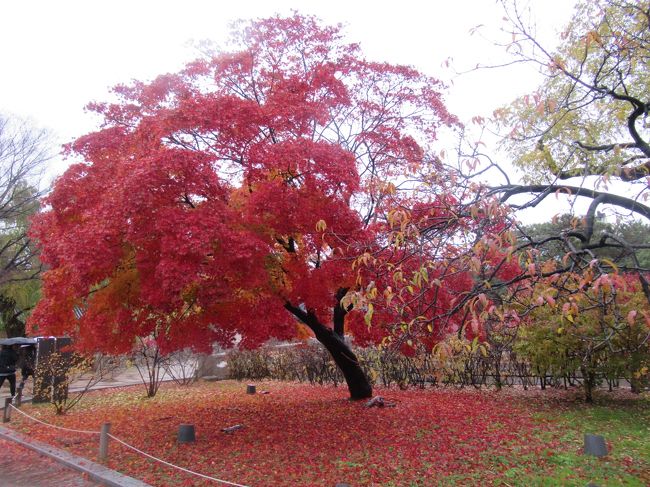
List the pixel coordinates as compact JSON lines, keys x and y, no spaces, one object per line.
{"x":103,"y":442}
{"x":6,"y":417}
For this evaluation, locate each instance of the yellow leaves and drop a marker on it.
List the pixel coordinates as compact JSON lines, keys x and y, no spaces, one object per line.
{"x":390,"y":188}
{"x":350,"y":299}
{"x":371,"y":291}
{"x":587,"y":278}
{"x":188,"y":294}
{"x":454,"y":352}
{"x":643,"y":371}
{"x":398,"y":216}
{"x":373,"y":375}
{"x":593,"y":37}
{"x":425,"y":274}
{"x":365,"y":259}
{"x":321,"y":226}
{"x":441,"y":351}
{"x":367,"y":317}
{"x":398,"y":239}
{"x":388,"y":295}
{"x":420,"y":276}
{"x":398,"y":276}
{"x":508,"y":239}
{"x":491,"y":208}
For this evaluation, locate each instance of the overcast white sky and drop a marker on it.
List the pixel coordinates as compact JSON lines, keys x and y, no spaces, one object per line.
{"x":57,"y":55}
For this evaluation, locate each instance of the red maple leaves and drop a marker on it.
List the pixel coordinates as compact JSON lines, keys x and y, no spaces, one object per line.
{"x":429,"y":434}
{"x":212,"y":197}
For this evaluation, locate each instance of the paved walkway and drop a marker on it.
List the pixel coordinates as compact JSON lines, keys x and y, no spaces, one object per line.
{"x":20,"y":467}
{"x":126,"y":377}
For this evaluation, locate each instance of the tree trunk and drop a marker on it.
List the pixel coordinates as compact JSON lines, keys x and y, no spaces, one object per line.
{"x":636,"y":385}
{"x":333,"y":341}
{"x":13,"y":325}
{"x":589,"y":382}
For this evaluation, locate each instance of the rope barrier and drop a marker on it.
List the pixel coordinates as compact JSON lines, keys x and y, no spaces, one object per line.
{"x":175,"y":466}
{"x":226,"y":482}
{"x":53,"y":425}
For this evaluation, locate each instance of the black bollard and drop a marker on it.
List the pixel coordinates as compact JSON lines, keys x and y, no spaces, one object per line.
{"x":595,"y":445}
{"x":250,"y":389}
{"x":186,"y":433}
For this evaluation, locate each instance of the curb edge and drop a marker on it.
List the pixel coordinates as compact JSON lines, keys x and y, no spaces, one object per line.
{"x":95,"y":471}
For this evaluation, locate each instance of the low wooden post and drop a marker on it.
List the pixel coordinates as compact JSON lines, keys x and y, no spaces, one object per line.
{"x":6,"y":416}
{"x":103,"y":442}
{"x":19,"y":395}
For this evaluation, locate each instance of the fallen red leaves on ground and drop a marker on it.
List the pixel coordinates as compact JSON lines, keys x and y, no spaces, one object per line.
{"x":303,"y":435}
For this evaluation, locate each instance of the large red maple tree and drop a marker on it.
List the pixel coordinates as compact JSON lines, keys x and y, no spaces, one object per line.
{"x":230,"y":199}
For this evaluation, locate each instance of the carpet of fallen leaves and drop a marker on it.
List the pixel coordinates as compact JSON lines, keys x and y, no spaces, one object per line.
{"x":303,"y":435}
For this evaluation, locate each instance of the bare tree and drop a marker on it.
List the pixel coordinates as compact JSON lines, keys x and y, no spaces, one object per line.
{"x":583,"y":133}
{"x":24,"y":153}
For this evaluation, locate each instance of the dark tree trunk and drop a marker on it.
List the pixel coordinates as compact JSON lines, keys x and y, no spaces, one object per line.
{"x":334,"y":342}
{"x":589,"y":382}
{"x":338,"y":315}
{"x":636,"y":385}
{"x":13,"y":325}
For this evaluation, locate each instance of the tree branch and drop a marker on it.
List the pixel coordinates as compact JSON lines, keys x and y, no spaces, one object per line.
{"x":547,"y":189}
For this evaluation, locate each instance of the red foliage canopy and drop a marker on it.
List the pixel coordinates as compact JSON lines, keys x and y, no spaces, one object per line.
{"x":212,"y":197}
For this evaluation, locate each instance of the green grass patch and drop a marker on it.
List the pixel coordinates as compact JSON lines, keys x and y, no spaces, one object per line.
{"x":623,"y":422}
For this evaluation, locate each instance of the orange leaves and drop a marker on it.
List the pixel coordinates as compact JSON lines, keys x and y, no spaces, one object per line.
{"x":593,"y":37}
